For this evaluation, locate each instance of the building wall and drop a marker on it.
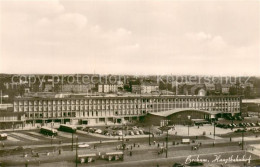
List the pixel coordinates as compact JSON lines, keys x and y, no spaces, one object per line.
{"x":119,"y":107}
{"x":106,"y":88}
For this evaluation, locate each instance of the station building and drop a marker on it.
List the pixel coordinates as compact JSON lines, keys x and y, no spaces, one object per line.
{"x":105,"y":110}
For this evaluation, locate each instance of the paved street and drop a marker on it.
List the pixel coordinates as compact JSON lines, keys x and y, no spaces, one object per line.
{"x":144,"y":153}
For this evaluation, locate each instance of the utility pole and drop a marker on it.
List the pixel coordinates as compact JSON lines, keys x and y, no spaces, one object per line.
{"x":149,"y":135}
{"x":76,"y":151}
{"x":214,"y":129}
{"x":167,"y":145}
{"x":72,"y":141}
{"x":1,"y":97}
{"x":243,"y":140}
{"x":123,"y":137}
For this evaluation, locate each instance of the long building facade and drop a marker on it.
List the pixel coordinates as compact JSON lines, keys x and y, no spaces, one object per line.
{"x":92,"y":110}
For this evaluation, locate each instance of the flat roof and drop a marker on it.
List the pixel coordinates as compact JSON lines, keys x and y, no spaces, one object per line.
{"x":123,"y":97}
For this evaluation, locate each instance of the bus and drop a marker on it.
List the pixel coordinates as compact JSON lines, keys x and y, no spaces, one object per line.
{"x":49,"y":131}
{"x":3,"y":136}
{"x":67,"y":128}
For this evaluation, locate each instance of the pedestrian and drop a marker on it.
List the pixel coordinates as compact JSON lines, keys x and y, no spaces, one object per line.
{"x":131,"y":153}
{"x":213,"y":143}
{"x":3,"y":144}
{"x":158,"y":145}
{"x":134,"y":144}
{"x":131,"y":147}
{"x":138,"y":145}
{"x":154,"y":142}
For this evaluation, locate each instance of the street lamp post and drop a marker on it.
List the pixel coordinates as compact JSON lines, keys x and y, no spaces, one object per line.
{"x":167,"y":145}
{"x":166,"y":128}
{"x":258,"y":109}
{"x":72,"y":141}
{"x":123,"y":138}
{"x":243,"y":140}
{"x":214,"y":129}
{"x":76,"y":151}
{"x":189,"y":125}
{"x":149,"y":135}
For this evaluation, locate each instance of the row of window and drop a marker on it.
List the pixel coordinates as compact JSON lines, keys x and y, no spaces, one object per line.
{"x":115,"y":101}
{"x":84,"y":114}
{"x":69,"y":108}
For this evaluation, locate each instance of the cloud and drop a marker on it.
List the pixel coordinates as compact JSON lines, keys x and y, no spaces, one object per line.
{"x":200,"y":36}
{"x":74,"y":19}
{"x":206,"y":42}
{"x":159,"y":37}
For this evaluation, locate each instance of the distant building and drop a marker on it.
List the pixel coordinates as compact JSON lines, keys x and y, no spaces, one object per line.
{"x":191,"y":89}
{"x":225,"y":88}
{"x":136,"y":88}
{"x":77,"y":88}
{"x":202,"y":92}
{"x":107,"y":88}
{"x":149,"y":87}
{"x":10,"y":119}
{"x":120,"y":84}
{"x":210,"y":88}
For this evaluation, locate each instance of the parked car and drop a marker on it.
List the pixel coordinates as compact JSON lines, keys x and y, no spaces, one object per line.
{"x":252,"y":124}
{"x":83,"y":145}
{"x":119,"y":133}
{"x":137,"y":132}
{"x":99,"y":131}
{"x":131,"y":133}
{"x":141,"y":132}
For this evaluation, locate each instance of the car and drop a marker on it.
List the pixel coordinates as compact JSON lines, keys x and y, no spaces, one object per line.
{"x":137,"y":132}
{"x":131,"y":133}
{"x":119,"y":133}
{"x":92,"y":130}
{"x":83,"y":145}
{"x":239,"y":118}
{"x":241,"y":124}
{"x":238,"y":130}
{"x":98,"y":131}
{"x":248,"y":124}
{"x":86,"y":129}
{"x":257,"y":124}
{"x":252,"y":124}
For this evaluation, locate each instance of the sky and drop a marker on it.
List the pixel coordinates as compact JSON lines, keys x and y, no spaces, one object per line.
{"x":203,"y":37}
